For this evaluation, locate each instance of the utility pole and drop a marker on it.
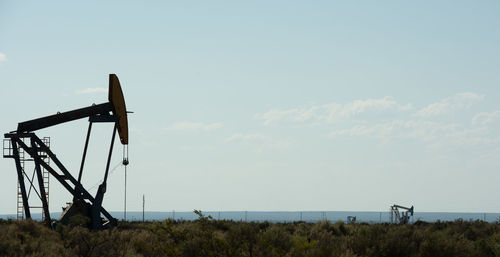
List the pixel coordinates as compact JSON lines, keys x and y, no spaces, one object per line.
{"x":143,"y":201}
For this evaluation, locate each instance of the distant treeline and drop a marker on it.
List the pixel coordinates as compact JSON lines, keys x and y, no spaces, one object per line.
{"x":208,"y":237}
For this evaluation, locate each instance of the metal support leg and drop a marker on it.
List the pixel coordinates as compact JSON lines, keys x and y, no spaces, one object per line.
{"x":78,"y":192}
{"x":20,"y":178}
{"x":110,"y":153}
{"x":84,"y":153}
{"x":96,"y":207}
{"x":43,"y":197}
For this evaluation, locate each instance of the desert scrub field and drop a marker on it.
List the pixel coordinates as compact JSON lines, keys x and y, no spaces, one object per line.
{"x":208,"y":237}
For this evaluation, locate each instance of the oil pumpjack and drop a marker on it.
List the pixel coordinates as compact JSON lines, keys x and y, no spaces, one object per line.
{"x":402,"y":217}
{"x":113,"y":111}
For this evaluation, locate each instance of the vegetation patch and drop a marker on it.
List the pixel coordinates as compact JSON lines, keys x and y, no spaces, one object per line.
{"x":208,"y":237}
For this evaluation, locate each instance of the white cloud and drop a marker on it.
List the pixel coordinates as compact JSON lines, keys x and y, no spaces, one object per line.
{"x":204,"y":148}
{"x":246,"y":137}
{"x":95,"y":90}
{"x":194,"y":126}
{"x":450,"y":104}
{"x":378,"y":130}
{"x":3,"y":57}
{"x":332,"y":111}
{"x":261,"y":141}
{"x":425,"y":130}
{"x":433,"y":133}
{"x":293,"y":115}
{"x":390,"y":121}
{"x":360,"y":106}
{"x":486,"y":118}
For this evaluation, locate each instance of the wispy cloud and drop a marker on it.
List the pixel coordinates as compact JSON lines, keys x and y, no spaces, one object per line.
{"x":377,"y":130}
{"x":3,"y":57}
{"x":386,"y":119}
{"x":435,"y":134}
{"x":450,"y":104}
{"x":203,"y":148}
{"x":94,"y":90}
{"x":291,"y":115}
{"x":261,"y":141}
{"x":332,"y":111}
{"x":485,"y":118}
{"x":422,"y":127}
{"x":194,"y":126}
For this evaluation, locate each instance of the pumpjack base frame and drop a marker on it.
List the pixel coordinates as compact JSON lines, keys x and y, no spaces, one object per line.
{"x":93,"y":206}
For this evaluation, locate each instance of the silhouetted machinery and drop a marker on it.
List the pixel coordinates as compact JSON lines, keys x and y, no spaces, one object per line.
{"x":24,"y":139}
{"x":401,"y":217}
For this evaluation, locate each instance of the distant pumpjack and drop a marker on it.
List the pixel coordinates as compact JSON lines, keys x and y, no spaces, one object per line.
{"x":113,"y":111}
{"x":401,"y":217}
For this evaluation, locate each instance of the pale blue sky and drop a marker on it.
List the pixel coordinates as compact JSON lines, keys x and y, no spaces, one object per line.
{"x":267,"y":105}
